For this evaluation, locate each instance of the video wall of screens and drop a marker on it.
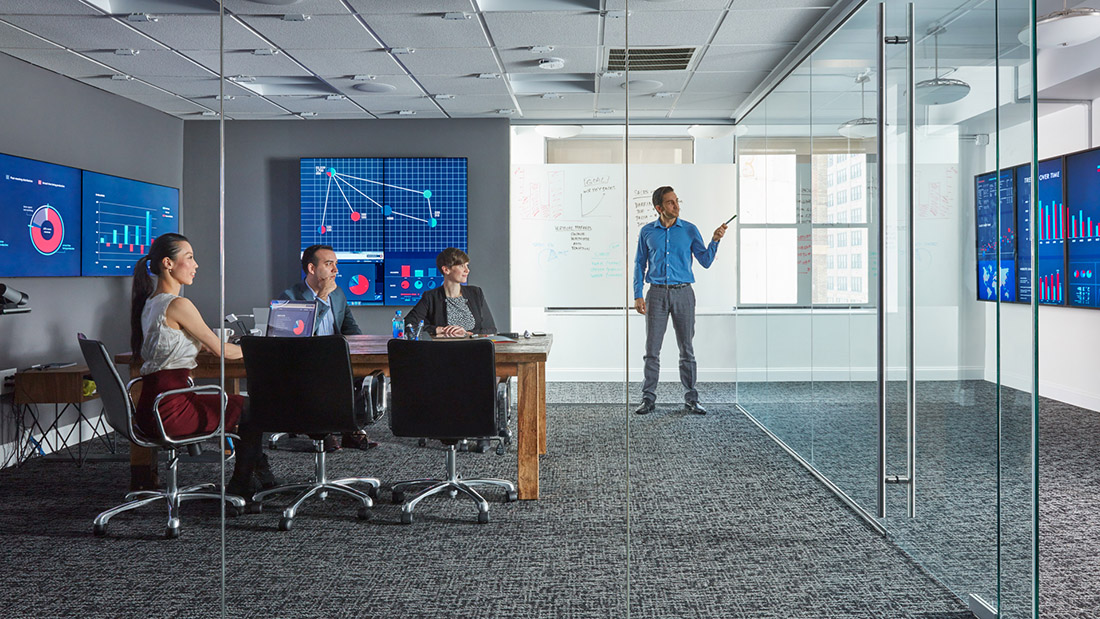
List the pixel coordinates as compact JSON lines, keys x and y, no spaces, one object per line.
{"x":386,"y":218}
{"x":1083,"y":228}
{"x":57,"y":221}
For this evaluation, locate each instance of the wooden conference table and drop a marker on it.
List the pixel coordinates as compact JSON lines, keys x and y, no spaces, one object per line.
{"x":525,"y":359}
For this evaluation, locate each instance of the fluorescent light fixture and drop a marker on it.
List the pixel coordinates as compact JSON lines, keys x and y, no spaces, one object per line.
{"x":939,"y":90}
{"x":711,"y":132}
{"x":552,"y":64}
{"x":1064,"y":28}
{"x":559,"y":132}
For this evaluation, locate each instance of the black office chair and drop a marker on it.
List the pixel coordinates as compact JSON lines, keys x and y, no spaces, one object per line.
{"x":305,"y":386}
{"x":445,"y":391}
{"x":118,"y":406}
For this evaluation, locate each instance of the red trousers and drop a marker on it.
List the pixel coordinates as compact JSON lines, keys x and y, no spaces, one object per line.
{"x":183,"y":414}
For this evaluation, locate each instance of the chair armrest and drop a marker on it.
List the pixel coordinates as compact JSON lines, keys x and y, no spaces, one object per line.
{"x":191,"y":439}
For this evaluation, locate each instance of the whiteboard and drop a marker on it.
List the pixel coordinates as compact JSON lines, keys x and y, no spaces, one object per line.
{"x":574,"y":230}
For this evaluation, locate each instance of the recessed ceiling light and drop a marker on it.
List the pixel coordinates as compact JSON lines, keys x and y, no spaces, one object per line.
{"x":488,"y":76}
{"x":407,"y":113}
{"x":641,"y":86}
{"x":551,"y":64}
{"x":542,"y":49}
{"x":296,"y":17}
{"x":374,"y":87}
{"x":402,"y":50}
{"x":141,"y":17}
{"x":126,"y":52}
{"x":456,"y":16}
{"x":265,"y":52}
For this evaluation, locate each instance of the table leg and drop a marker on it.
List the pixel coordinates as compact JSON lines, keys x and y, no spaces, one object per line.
{"x":528,"y":426}
{"x":542,"y":408}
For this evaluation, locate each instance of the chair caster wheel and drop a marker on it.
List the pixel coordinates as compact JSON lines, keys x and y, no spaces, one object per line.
{"x":364,"y":513}
{"x":463,"y":445}
{"x":255,"y":507}
{"x":500,"y":448}
{"x":511,"y":497}
{"x":453,"y":493}
{"x":233,"y":511}
{"x":482,"y":517}
{"x":372,"y":492}
{"x":398,"y":497}
{"x":171,"y":532}
{"x":482,"y":446}
{"x":285,"y":523}
{"x":272,"y":445}
{"x":99,"y":530}
{"x":422,"y":442}
{"x":406,"y":518}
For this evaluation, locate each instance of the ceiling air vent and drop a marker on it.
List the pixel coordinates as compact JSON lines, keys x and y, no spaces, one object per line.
{"x":650,"y":59}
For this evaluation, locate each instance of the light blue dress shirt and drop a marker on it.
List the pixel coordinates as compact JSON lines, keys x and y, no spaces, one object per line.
{"x":664,"y":254}
{"x":326,"y":322}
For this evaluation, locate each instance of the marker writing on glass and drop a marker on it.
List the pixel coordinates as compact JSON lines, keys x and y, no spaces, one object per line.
{"x":729,"y":220}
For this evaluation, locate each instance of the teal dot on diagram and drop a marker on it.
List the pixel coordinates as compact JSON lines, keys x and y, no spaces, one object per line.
{"x":387,"y":210}
{"x":419,"y":284}
{"x":432,"y":222}
{"x":332,"y":171}
{"x":427,"y":193}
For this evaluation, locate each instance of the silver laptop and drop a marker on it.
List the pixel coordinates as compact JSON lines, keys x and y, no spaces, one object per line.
{"x":291,"y":318}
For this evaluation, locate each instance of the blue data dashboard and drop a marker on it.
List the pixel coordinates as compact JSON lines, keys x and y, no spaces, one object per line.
{"x":386,"y":218}
{"x":39,"y":218}
{"x":121,"y":219}
{"x":1050,"y":219}
{"x":1082,"y":232}
{"x":995,"y":203}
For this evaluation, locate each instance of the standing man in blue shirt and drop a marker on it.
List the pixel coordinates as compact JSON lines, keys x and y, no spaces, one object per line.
{"x":663,"y":259}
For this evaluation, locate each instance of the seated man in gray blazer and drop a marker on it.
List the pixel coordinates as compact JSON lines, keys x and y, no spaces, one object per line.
{"x":333,"y":316}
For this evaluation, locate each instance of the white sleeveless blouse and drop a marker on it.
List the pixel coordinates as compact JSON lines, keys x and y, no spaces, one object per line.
{"x":165,"y":348}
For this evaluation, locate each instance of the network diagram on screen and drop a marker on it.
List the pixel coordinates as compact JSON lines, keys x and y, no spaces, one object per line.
{"x":386,"y":218}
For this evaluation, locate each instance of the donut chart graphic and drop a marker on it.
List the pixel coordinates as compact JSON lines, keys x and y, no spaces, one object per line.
{"x":359,"y":285}
{"x":299,"y":327}
{"x":47,"y":230}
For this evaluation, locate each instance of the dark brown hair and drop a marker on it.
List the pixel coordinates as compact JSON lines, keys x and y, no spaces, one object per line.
{"x":309,"y":256}
{"x":166,"y":245}
{"x":450,"y":257}
{"x":659,"y":194}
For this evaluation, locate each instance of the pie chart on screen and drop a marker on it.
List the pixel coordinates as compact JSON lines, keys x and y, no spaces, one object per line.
{"x":359,"y":285}
{"x":47,"y":230}
{"x":299,"y":327}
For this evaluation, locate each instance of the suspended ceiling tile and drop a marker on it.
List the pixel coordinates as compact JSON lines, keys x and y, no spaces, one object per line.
{"x":385,"y":103}
{"x":168,"y":104}
{"x":476,"y":104}
{"x":14,"y":38}
{"x":126,"y":7}
{"x":319,"y":32}
{"x":60,"y":61}
{"x":698,"y":5}
{"x":770,"y":26}
{"x":83,"y":32}
{"x":612,"y":100}
{"x":450,"y":61}
{"x":701,"y":114}
{"x":463,"y":85}
{"x":792,"y":4}
{"x":125,"y":88}
{"x":539,"y":5}
{"x":192,"y":87}
{"x":420,"y":115}
{"x":403,"y":86}
{"x":649,"y":103}
{"x":725,"y":82}
{"x":332,"y":62}
{"x":151,"y":62}
{"x":645,"y":82}
{"x":510,"y":30}
{"x":562,"y":83}
{"x":375,"y":7}
{"x":529,"y":103}
{"x":742,"y":57}
{"x":249,"y":104}
{"x":246,"y":63}
{"x":429,"y":30}
{"x":636,"y":114}
{"x":200,"y":32}
{"x":710,"y":101}
{"x":321,"y":105}
{"x":302,"y":7}
{"x":577,"y":59}
{"x":38,"y":7}
{"x":663,"y":28}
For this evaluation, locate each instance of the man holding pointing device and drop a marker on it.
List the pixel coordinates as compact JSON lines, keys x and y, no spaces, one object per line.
{"x":663,"y":259}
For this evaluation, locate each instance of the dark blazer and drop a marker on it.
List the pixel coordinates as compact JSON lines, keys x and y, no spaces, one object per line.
{"x":432,"y":309}
{"x":342,"y":319}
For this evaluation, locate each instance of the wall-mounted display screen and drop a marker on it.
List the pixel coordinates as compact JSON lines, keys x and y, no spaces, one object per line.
{"x":1082,"y":230}
{"x":993,"y":197}
{"x":121,"y":218}
{"x":1050,"y":219}
{"x":39,"y":218}
{"x":386,"y":218}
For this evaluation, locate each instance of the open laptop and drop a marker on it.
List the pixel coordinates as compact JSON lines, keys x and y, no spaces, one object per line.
{"x":291,"y":318}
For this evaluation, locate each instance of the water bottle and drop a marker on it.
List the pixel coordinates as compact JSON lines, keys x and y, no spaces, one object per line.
{"x":398,"y":326}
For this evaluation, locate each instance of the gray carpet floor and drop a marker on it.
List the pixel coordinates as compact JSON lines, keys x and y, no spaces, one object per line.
{"x":675,"y":516}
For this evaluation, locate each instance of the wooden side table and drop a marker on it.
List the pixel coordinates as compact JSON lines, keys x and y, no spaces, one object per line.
{"x":64,"y":388}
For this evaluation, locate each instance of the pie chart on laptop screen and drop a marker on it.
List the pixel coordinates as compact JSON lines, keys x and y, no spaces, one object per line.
{"x":299,"y":327}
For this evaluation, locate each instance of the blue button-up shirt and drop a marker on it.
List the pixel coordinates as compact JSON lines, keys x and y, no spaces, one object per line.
{"x":326,"y":322}
{"x":664,"y":254}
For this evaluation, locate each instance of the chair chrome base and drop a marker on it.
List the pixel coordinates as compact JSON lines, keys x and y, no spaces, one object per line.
{"x":320,"y":486}
{"x":453,"y":484}
{"x":172,"y":495}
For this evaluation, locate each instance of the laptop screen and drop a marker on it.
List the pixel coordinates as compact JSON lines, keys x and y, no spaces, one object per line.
{"x":291,"y":318}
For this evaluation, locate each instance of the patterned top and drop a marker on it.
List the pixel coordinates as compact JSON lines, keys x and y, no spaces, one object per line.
{"x":458,"y":313}
{"x":164,"y":348}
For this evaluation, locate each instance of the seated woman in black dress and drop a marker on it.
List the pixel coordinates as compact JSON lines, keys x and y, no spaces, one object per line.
{"x":453,"y":309}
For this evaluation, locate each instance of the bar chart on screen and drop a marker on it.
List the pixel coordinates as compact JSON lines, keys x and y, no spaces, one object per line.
{"x":121,"y":218}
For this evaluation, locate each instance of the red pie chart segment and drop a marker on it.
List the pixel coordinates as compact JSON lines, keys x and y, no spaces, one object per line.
{"x":299,"y":327}
{"x":359,"y":285}
{"x":47,"y":230}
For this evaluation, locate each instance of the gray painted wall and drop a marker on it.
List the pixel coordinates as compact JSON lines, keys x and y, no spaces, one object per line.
{"x":52,"y":118}
{"x":262,"y":203}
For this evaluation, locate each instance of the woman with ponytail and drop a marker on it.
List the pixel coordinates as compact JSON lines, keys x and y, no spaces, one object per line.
{"x":166,"y":333}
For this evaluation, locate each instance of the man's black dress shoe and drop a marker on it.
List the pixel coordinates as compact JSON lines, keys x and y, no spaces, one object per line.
{"x":646,"y":408}
{"x":694,"y":407}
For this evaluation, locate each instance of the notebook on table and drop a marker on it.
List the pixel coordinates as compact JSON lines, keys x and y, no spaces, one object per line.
{"x":291,"y":318}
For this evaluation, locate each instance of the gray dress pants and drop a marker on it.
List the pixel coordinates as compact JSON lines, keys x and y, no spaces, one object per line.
{"x":660,"y":303}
